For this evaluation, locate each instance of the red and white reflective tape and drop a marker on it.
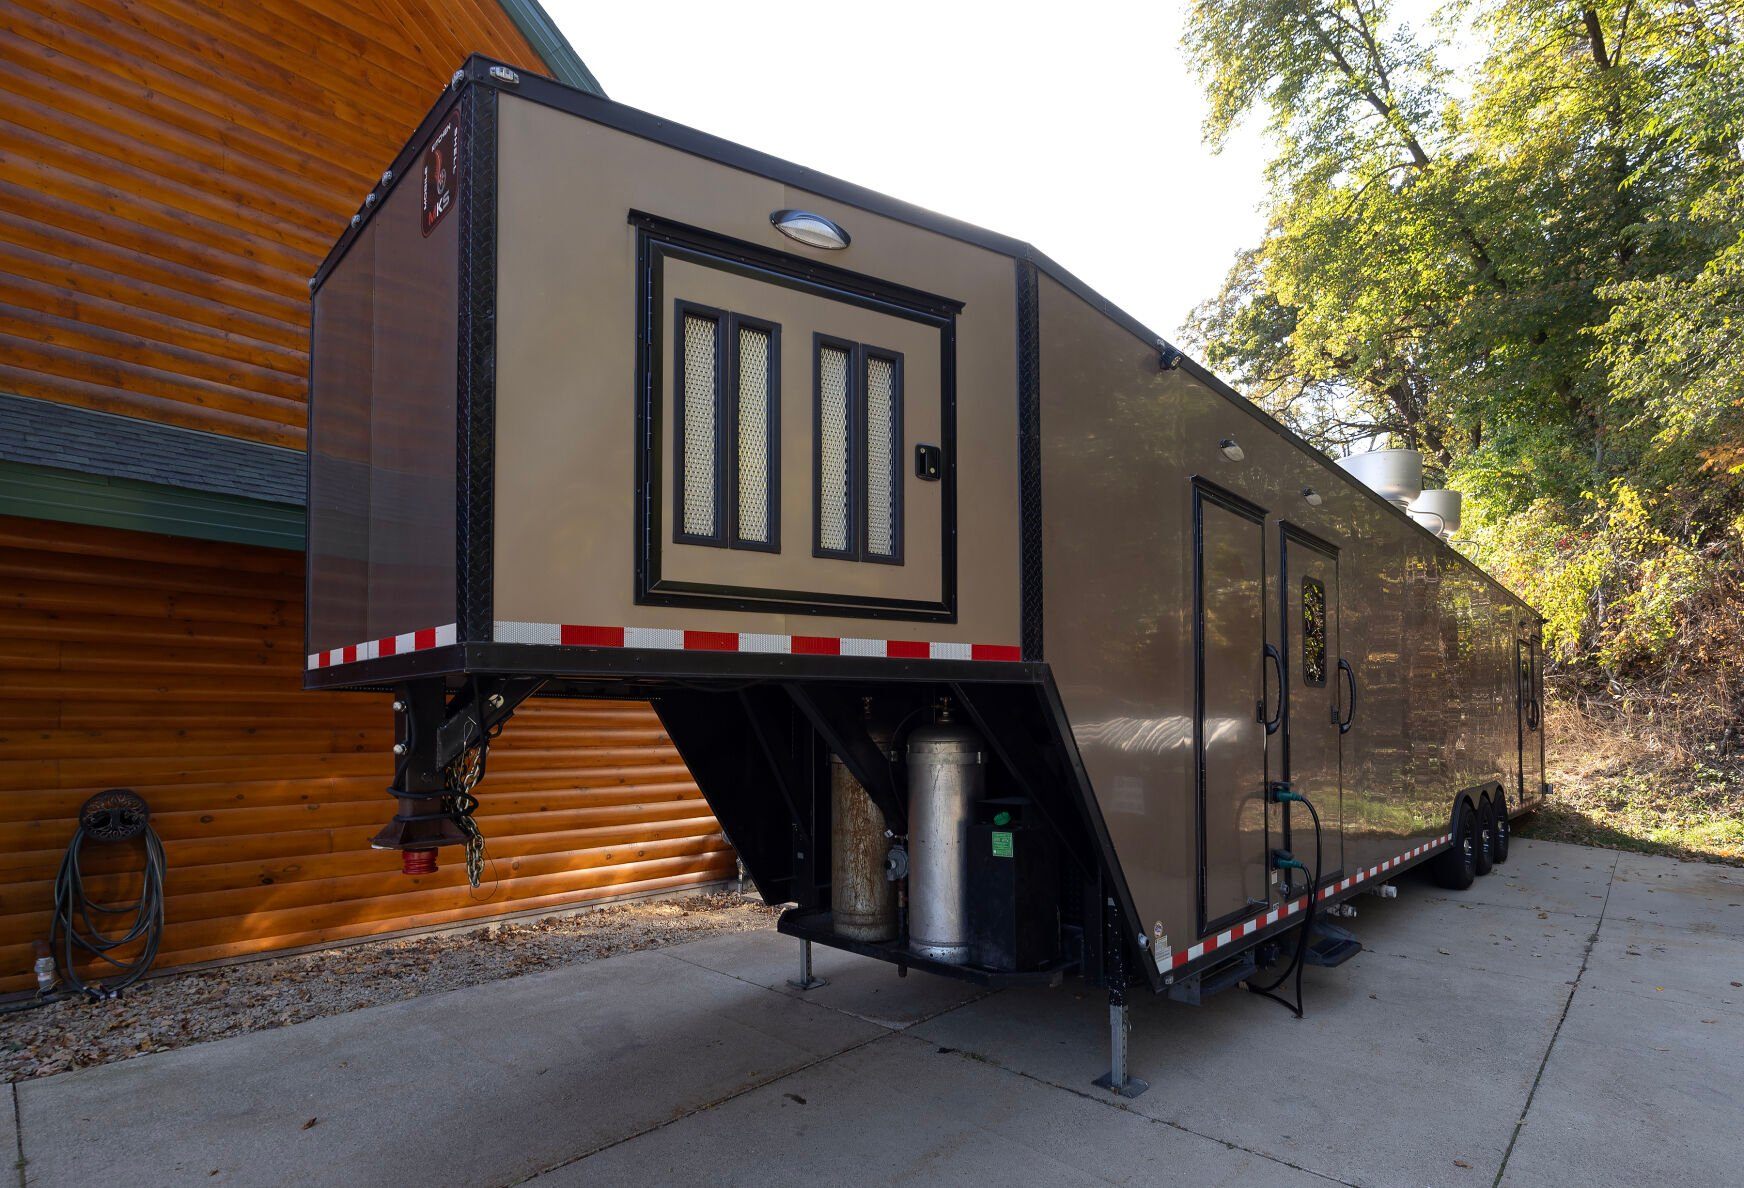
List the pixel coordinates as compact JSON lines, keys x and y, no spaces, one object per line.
{"x":1166,"y":959}
{"x":673,"y":639}
{"x":388,"y":645}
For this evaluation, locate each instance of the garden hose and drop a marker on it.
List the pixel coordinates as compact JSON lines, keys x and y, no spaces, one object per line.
{"x":80,"y":931}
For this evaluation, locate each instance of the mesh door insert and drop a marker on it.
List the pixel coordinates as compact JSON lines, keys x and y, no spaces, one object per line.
{"x":834,"y":518}
{"x":754,"y":435}
{"x":883,"y":426}
{"x":701,"y":349}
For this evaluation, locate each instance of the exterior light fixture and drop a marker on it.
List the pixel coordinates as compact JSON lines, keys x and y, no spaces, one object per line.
{"x":1312,"y":496}
{"x":1168,"y":357}
{"x":1231,"y":449}
{"x":813,"y":230}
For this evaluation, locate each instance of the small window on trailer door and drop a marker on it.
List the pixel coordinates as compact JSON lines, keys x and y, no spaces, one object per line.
{"x":727,"y":408}
{"x":1313,"y":631}
{"x":857,"y":451}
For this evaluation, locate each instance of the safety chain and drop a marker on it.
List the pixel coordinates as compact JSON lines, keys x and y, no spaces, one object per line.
{"x":461,"y":777}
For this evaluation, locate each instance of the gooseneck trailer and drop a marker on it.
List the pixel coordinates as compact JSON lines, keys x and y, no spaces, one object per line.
{"x":1004,"y":641}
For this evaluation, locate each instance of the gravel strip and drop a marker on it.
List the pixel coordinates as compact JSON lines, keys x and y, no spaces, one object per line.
{"x":181,"y":1009}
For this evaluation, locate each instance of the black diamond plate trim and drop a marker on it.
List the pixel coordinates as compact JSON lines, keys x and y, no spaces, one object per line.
{"x":1029,"y":457}
{"x":476,"y":396}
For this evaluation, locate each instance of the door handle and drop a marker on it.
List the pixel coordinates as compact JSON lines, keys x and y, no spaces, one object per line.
{"x":1271,"y":723}
{"x":1350,"y":680}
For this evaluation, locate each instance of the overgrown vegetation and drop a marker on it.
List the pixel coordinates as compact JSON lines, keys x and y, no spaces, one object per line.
{"x":1624,"y":780}
{"x":1514,"y":239}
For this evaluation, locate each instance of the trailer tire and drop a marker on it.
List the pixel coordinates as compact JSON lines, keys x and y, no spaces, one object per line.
{"x":1499,"y":836}
{"x":1484,"y":838}
{"x":1455,"y":868}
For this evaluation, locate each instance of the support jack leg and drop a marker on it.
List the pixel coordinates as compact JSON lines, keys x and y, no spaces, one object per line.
{"x":1117,"y":1080}
{"x":806,"y":979}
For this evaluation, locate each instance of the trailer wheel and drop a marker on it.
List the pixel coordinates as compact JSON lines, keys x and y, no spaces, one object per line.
{"x":1456,"y":867}
{"x":1484,"y":852}
{"x":1499,"y":835}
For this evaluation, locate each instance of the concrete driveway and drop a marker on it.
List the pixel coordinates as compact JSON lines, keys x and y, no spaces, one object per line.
{"x":1576,"y":1017}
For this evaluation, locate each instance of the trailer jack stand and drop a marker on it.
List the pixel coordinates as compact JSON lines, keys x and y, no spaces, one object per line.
{"x":433,"y":731}
{"x":1117,"y":1080}
{"x":806,"y":979}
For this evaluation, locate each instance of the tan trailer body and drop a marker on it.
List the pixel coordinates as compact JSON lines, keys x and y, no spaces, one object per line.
{"x":602,"y":429}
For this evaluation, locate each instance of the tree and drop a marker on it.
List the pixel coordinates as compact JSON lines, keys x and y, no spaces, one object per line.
{"x":1533,"y":272}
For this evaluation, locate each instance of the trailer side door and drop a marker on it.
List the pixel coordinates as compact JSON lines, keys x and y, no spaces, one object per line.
{"x":1530,"y":712}
{"x":1314,"y":677}
{"x":1232,"y":706}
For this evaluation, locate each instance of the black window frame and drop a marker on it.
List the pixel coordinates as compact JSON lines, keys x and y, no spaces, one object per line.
{"x":1309,"y":632}
{"x":819,"y":343}
{"x":859,"y":356}
{"x":725,"y":533}
{"x":771,"y":434}
{"x":898,"y":472}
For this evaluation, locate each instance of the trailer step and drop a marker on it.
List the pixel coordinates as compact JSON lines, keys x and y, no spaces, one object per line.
{"x":1196,"y":988}
{"x":1330,"y":945}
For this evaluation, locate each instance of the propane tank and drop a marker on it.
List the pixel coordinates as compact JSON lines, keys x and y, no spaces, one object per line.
{"x":862,"y":899}
{"x":946,"y":776}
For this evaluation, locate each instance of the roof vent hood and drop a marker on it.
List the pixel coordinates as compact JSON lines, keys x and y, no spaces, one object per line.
{"x":1438,"y":511}
{"x":1394,"y":475}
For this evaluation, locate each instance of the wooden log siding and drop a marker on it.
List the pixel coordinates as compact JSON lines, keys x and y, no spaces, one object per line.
{"x":174,"y":667}
{"x":174,"y":170}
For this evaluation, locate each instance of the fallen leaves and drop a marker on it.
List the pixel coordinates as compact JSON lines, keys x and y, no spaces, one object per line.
{"x":161,"y":1014}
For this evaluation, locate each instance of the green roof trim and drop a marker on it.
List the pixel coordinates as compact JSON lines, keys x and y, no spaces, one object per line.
{"x":67,"y":496}
{"x":549,"y":43}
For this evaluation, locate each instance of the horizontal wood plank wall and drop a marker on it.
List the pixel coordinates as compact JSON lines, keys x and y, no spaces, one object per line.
{"x":174,"y":667}
{"x":172,"y":173}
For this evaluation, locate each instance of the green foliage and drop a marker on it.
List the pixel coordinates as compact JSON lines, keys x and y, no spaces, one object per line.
{"x":1622,"y":597}
{"x":1533,"y":272}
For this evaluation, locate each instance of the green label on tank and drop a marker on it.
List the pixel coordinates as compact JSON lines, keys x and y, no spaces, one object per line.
{"x":1001,"y":844}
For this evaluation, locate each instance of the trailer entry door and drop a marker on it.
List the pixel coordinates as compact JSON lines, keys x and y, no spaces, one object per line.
{"x":1308,"y":586}
{"x":1232,"y":705}
{"x":1530,"y":762}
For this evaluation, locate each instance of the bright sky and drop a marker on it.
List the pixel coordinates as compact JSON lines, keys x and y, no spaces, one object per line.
{"x":1072,"y":126}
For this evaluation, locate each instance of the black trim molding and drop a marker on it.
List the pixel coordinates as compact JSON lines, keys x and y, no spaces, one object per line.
{"x":476,"y":394}
{"x":1029,"y":458}
{"x":1205,"y":492}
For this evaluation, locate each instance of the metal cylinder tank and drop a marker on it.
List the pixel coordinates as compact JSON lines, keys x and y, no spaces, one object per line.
{"x":1438,"y":511}
{"x":946,"y":776}
{"x":862,"y":897}
{"x":1395,"y":475}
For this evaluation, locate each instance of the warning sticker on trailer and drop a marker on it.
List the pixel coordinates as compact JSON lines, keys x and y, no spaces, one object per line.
{"x":441,"y":175}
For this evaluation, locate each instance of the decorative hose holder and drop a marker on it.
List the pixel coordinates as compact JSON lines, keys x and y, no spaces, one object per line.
{"x":85,"y":932}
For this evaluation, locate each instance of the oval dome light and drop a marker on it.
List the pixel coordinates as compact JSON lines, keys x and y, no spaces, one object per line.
{"x":813,"y":230}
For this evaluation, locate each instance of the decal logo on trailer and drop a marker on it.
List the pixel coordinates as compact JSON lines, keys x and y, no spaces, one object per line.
{"x":441,"y":173}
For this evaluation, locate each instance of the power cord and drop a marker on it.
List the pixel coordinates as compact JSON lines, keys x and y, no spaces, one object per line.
{"x":1288,"y":862}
